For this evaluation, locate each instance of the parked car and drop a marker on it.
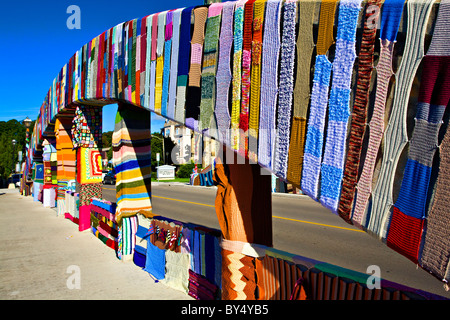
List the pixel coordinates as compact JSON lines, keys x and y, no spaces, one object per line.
{"x":15,"y":178}
{"x":110,"y":178}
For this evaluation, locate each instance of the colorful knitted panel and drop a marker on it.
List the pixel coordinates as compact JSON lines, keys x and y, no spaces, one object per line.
{"x":359,"y":114}
{"x":167,"y":59}
{"x":208,"y":85}
{"x":257,"y":42}
{"x":238,"y":276}
{"x":89,"y":165}
{"x":87,"y":127}
{"x":224,"y":76}
{"x":237,"y":73}
{"x":287,"y":56}
{"x":89,"y":191}
{"x":395,"y":137}
{"x":131,"y":160}
{"x":183,"y":63}
{"x":193,"y":98}
{"x":127,"y":238}
{"x":390,"y":20}
{"x":171,"y":104}
{"x":154,"y":33}
{"x":319,"y":98}
{"x":160,"y":60}
{"x":305,"y":46}
{"x":433,"y":98}
{"x":332,"y":169}
{"x":269,"y":83}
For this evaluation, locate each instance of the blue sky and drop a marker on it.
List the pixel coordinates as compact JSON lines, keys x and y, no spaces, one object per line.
{"x":36,"y":43}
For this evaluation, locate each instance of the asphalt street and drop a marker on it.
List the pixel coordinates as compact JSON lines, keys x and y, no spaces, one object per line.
{"x":300,"y":226}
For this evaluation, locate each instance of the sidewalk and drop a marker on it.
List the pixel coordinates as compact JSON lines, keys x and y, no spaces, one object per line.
{"x":38,"y":248}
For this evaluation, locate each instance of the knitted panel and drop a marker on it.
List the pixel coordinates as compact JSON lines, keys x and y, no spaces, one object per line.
{"x":237,"y":72}
{"x":238,"y":276}
{"x":395,"y":137}
{"x":207,"y":119}
{"x":194,"y":91}
{"x":286,"y":88}
{"x":246,"y":77}
{"x":160,"y":42}
{"x":127,"y":238}
{"x":305,"y":47}
{"x":174,"y":64}
{"x":359,"y":114}
{"x":183,"y":63}
{"x":255,"y":89}
{"x":269,"y":83}
{"x":223,"y":77}
{"x":167,"y":60}
{"x":319,"y":97}
{"x":334,"y":156}
{"x":390,"y":20}
{"x":153,"y":61}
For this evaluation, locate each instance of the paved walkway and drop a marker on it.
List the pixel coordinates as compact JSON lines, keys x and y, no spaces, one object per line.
{"x":41,"y":254}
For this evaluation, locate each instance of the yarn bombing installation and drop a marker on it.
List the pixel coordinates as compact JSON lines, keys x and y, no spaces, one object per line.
{"x":290,"y":87}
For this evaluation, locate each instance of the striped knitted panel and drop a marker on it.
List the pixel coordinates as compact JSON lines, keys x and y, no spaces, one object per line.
{"x":167,"y":59}
{"x":131,"y":159}
{"x":237,"y":72}
{"x":183,"y":63}
{"x":208,"y":85}
{"x":255,"y":89}
{"x":338,"y":107}
{"x":319,"y":97}
{"x":174,"y":64}
{"x":160,"y":42}
{"x":269,"y":83}
{"x":305,"y":47}
{"x":238,"y":276}
{"x":193,"y":97}
{"x":359,"y":114}
{"x":127,"y":238}
{"x":286,"y":88}
{"x":153,"y":57}
{"x":246,"y":77}
{"x":224,"y":76}
{"x":395,"y":137}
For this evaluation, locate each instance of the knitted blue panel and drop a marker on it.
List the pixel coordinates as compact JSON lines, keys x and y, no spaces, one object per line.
{"x":390,"y":19}
{"x":166,"y":77}
{"x":185,"y":41}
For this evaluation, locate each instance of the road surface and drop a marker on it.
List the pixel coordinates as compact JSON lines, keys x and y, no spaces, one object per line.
{"x":300,"y":226}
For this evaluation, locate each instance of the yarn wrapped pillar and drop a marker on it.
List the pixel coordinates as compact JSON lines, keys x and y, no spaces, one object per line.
{"x":244,"y":210}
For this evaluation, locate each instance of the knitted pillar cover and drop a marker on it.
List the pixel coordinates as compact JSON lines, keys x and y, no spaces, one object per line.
{"x":246,"y":77}
{"x":319,"y":97}
{"x":395,"y":137}
{"x":305,"y":47}
{"x":286,"y":88}
{"x":332,"y":169}
{"x":359,"y":114}
{"x":433,"y":98}
{"x":237,"y":72}
{"x":224,"y":76}
{"x":255,"y":88}
{"x":167,"y":59}
{"x":194,"y":90}
{"x":183,"y":63}
{"x":390,"y":20}
{"x":160,"y":41}
{"x":208,"y":85}
{"x":174,"y":64}
{"x":269,"y":83}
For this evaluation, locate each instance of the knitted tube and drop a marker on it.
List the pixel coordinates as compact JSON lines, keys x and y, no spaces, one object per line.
{"x":319,"y":98}
{"x":207,"y":119}
{"x":396,"y":137}
{"x":269,"y":83}
{"x":286,"y":88}
{"x":338,"y":107}
{"x":223,"y":77}
{"x":390,"y":20}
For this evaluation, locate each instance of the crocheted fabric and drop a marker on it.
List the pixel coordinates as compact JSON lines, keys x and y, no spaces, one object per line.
{"x":395,"y":137}
{"x":434,"y":97}
{"x":319,"y":98}
{"x":154,"y":32}
{"x":160,"y":60}
{"x":390,"y":20}
{"x":174,"y":64}
{"x":223,"y":77}
{"x":132,"y":162}
{"x":89,"y":165}
{"x":237,"y":72}
{"x":87,"y":127}
{"x":269,"y":83}
{"x":167,"y":59}
{"x":183,"y":63}
{"x":305,"y":47}
{"x":208,"y":86}
{"x":359,"y":114}
{"x":332,"y":169}
{"x":286,"y":88}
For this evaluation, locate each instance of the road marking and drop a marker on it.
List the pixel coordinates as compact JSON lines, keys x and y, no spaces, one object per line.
{"x":276,"y":217}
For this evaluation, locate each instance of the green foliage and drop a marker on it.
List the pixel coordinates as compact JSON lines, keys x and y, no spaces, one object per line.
{"x":185,"y":170}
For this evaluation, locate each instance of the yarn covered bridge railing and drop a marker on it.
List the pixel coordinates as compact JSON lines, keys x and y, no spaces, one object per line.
{"x":290,"y":86}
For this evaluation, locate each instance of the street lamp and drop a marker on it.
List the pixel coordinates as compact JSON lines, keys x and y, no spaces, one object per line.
{"x":14,"y":142}
{"x":27,"y":123}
